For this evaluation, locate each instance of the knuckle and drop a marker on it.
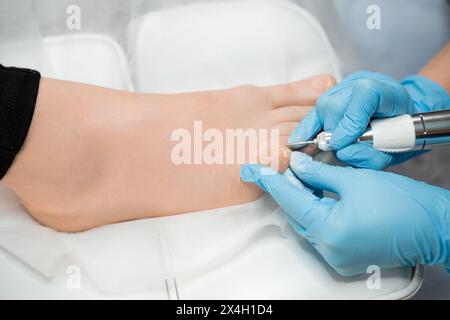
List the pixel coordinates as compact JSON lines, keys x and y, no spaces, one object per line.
{"x":359,"y":74}
{"x":327,"y":105}
{"x":365,"y":84}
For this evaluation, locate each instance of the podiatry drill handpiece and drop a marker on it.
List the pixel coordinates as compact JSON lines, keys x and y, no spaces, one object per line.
{"x":426,"y":130}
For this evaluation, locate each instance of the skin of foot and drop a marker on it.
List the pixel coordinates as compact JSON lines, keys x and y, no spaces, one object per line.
{"x":95,"y":156}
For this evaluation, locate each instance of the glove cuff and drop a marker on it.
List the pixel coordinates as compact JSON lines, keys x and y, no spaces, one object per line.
{"x":426,"y":94}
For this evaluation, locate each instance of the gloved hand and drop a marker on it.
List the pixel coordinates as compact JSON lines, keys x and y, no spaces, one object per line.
{"x":381,"y":218}
{"x":346,"y":110}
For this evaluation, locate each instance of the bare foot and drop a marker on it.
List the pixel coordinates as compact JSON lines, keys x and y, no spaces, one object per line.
{"x":95,"y":156}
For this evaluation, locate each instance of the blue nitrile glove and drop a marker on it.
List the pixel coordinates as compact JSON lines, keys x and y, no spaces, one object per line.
{"x":381,"y":219}
{"x":346,"y":110}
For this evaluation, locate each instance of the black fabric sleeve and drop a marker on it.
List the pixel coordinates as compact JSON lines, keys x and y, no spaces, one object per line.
{"x":18,"y":94}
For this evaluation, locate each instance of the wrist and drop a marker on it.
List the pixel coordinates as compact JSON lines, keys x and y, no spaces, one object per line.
{"x":426,"y":94}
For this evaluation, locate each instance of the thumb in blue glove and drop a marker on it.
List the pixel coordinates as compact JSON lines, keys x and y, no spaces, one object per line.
{"x":381,"y":218}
